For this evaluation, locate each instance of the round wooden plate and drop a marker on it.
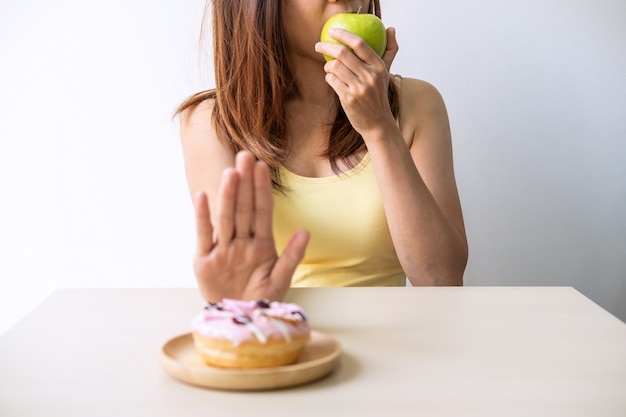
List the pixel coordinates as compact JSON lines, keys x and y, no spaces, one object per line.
{"x":181,"y":360}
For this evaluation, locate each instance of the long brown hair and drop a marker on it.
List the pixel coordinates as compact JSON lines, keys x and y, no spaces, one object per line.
{"x":254,"y":81}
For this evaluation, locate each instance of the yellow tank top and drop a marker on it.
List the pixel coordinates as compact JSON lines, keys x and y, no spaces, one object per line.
{"x":350,"y":243}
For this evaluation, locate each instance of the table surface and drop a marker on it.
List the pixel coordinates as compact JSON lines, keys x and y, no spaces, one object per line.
{"x":505,"y":351}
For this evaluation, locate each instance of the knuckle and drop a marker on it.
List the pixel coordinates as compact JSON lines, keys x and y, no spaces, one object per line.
{"x":343,"y":53}
{"x":360,"y":43}
{"x":331,"y":66}
{"x":243,"y":207}
{"x":350,"y":99}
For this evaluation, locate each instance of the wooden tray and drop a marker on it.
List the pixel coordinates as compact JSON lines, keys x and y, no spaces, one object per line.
{"x":181,"y":360}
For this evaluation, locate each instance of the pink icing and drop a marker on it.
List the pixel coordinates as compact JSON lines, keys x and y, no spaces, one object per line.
{"x":240,"y":321}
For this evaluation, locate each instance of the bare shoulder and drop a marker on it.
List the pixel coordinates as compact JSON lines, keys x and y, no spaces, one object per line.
{"x":205,"y":155}
{"x":422,"y":110}
{"x":198,"y":117}
{"x":419,"y":94}
{"x":197,"y":128}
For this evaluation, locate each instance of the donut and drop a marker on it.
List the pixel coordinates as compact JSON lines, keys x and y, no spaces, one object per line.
{"x":250,"y":334}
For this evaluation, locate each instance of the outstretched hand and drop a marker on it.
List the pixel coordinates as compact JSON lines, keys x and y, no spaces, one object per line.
{"x":236,"y":257}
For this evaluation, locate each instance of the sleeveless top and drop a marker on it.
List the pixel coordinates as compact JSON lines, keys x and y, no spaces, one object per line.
{"x":350,"y":243}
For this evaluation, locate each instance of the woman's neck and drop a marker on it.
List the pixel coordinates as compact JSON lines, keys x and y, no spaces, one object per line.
{"x":312,"y":86}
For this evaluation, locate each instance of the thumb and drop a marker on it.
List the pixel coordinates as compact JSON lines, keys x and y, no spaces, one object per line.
{"x":291,"y":257}
{"x":392,"y":47}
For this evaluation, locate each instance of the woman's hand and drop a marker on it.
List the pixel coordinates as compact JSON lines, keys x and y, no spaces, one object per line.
{"x":236,"y":257}
{"x":360,"y":79}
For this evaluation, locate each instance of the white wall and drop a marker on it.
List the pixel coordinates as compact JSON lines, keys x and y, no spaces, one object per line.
{"x":536,"y":92}
{"x":92,"y":188}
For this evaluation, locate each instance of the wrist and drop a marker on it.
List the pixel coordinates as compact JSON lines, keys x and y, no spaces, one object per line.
{"x":381,"y":132}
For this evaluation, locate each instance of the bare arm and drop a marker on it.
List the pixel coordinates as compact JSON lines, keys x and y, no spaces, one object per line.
{"x":205,"y":156}
{"x":419,"y":189}
{"x":413,"y":166}
{"x":236,"y":255}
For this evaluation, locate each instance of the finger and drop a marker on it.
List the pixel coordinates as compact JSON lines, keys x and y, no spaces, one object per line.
{"x":341,"y":88}
{"x":227,"y":196}
{"x":263,"y":201}
{"x":204,"y":228}
{"x":392,"y":48}
{"x":341,"y":71}
{"x":359,"y":46}
{"x":292,"y":256}
{"x":244,"y":206}
{"x":341,"y":53}
{"x":333,"y":50}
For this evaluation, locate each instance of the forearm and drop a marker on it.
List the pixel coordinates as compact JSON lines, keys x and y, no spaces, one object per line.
{"x":430,"y":247}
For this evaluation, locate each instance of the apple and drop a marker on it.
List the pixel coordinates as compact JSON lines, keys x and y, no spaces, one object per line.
{"x":366,"y":25}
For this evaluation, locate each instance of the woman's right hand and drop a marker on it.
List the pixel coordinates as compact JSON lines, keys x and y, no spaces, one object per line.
{"x":361,"y":79}
{"x":236,"y":257}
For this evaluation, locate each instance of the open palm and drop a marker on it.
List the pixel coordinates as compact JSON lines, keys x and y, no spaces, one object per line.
{"x":236,"y":257}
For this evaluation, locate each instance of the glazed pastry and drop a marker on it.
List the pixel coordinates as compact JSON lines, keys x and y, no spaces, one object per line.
{"x":250,"y":334}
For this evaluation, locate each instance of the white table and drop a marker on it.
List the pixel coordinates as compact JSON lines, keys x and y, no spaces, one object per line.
{"x":406,"y":351}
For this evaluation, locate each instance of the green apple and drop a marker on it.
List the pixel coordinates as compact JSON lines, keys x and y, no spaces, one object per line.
{"x":366,"y":25}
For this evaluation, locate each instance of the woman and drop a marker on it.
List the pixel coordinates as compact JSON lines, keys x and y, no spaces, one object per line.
{"x":290,"y":148}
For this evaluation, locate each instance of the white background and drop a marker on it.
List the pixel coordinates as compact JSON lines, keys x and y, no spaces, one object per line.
{"x":92,"y":187}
